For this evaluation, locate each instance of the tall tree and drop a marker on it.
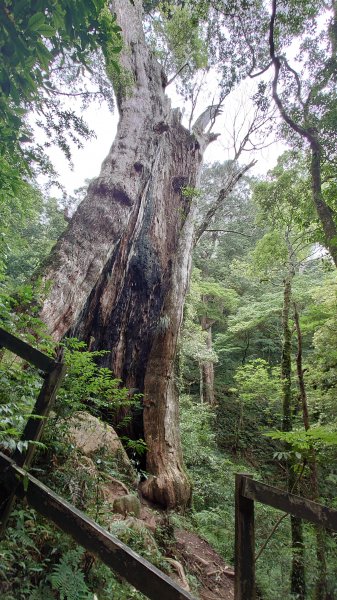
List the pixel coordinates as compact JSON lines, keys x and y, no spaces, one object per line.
{"x":121,"y":270}
{"x":303,"y":89}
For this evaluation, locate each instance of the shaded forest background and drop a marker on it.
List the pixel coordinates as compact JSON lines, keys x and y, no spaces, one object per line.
{"x":256,"y":367}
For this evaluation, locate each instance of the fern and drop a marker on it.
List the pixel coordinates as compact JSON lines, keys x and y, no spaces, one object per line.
{"x":42,"y":593}
{"x":68,"y":579}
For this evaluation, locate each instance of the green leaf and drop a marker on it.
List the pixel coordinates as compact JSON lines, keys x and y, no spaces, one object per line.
{"x":46,"y":30}
{"x":36,"y":21}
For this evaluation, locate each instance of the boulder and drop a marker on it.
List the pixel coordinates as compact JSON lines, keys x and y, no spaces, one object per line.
{"x":92,"y":436}
{"x":126,"y":505}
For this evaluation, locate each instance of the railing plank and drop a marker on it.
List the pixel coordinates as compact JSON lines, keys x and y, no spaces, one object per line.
{"x":133,"y":568}
{"x":25,"y":351}
{"x":290,"y":503}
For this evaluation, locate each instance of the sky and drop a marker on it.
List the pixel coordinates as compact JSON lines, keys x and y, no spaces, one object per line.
{"x":87,"y":160}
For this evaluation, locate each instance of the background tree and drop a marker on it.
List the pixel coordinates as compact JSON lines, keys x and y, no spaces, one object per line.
{"x":303,"y":89}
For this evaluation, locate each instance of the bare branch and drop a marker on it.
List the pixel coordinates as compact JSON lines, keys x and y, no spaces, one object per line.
{"x":228,"y":231}
{"x":187,"y":64}
{"x":276,"y":60}
{"x":233,"y":178}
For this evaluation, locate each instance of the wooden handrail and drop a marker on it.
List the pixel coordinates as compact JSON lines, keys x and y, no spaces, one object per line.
{"x":25,"y":351}
{"x":246,"y":491}
{"x":137,"y":571}
{"x":290,"y":503}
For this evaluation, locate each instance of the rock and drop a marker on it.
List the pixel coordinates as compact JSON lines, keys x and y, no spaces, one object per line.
{"x":90,"y":436}
{"x":149,"y":518}
{"x":128,"y":504}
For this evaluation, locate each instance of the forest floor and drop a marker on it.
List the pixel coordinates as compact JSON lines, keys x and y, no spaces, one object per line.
{"x":198,"y":558}
{"x":194,"y":564}
{"x":215,"y":577}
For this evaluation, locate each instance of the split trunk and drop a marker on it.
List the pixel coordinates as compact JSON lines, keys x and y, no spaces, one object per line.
{"x":120,"y":272}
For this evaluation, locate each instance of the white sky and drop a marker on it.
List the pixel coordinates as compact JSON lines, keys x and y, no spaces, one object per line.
{"x":87,"y":160}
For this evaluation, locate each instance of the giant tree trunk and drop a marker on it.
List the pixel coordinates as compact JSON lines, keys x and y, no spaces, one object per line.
{"x":120,"y":272}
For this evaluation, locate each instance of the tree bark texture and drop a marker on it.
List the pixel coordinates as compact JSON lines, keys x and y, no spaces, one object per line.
{"x":120,"y":272}
{"x":286,"y":357}
{"x":324,"y":212}
{"x":298,"y":587}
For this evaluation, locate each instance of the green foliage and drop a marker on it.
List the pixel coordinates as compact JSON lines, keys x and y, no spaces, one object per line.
{"x":301,"y":441}
{"x":67,"y":578}
{"x":257,"y":382}
{"x":31,"y":224}
{"x":20,"y":383}
{"x":270,"y":252}
{"x":284,"y":198}
{"x":141,"y":541}
{"x":178,"y":39}
{"x":34,"y":37}
{"x":86,"y":385}
{"x":210,"y":472}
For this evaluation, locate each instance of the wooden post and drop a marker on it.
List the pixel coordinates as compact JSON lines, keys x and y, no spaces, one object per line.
{"x":43,"y":405}
{"x":244,"y":582}
{"x":32,"y":432}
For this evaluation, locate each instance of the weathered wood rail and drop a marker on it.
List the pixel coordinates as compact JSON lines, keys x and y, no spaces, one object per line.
{"x":52,"y":372}
{"x":15,"y":481}
{"x":133,"y":568}
{"x":247,"y":490}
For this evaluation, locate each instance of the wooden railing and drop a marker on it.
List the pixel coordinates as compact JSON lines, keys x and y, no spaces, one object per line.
{"x":15,"y":481}
{"x":247,"y":490}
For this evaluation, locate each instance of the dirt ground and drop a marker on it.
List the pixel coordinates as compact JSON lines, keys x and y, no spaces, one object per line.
{"x":199,"y":558}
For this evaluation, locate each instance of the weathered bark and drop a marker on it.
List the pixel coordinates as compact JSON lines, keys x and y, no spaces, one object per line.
{"x":325,"y":214}
{"x":120,"y":272}
{"x":298,"y":586}
{"x":207,"y":366}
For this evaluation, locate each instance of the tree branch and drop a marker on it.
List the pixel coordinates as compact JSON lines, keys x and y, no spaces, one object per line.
{"x":223,"y":194}
{"x":228,"y":231}
{"x":187,"y":64}
{"x":276,"y":60}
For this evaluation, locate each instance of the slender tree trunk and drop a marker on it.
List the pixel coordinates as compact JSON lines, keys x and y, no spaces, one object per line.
{"x":120,"y":272}
{"x":286,"y":357}
{"x":297,"y":567}
{"x":321,"y":585}
{"x":207,"y":366}
{"x":324,"y":213}
{"x":308,"y":132}
{"x":298,"y":587}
